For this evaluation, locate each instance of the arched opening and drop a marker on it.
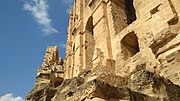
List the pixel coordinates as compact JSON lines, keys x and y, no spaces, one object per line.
{"x":89,"y":43}
{"x":129,"y":45}
{"x":130,"y":11}
{"x":89,"y":26}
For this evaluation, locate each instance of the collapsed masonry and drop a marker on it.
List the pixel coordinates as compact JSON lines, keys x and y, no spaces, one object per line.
{"x":51,"y":70}
{"x":126,"y":36}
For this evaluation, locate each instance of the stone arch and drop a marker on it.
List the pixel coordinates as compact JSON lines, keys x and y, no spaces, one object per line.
{"x":129,"y":45}
{"x":89,"y":25}
{"x":89,"y":43}
{"x":130,"y":11}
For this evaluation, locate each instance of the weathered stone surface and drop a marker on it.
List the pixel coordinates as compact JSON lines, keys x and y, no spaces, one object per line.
{"x":128,"y":27}
{"x":117,"y":50}
{"x":52,"y":69}
{"x":41,"y":92}
{"x":51,"y":56}
{"x":154,"y":85}
{"x":140,"y":86}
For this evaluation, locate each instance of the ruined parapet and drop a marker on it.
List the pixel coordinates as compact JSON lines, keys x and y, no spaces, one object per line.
{"x":57,"y":73}
{"x":43,"y":75}
{"x":51,"y":56}
{"x":52,"y":69}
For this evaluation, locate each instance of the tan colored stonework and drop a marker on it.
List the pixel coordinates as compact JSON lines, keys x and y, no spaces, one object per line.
{"x":132,"y":33}
{"x":52,"y":69}
{"x":125,"y":35}
{"x":117,"y":50}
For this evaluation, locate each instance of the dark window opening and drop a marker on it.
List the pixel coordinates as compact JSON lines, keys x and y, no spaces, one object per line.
{"x":130,"y":11}
{"x":89,"y":40}
{"x":89,"y":26}
{"x":129,"y":45}
{"x":74,"y":47}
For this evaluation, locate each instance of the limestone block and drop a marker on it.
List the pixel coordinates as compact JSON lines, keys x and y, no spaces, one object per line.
{"x":60,"y":61}
{"x":98,"y":14}
{"x":169,"y":67}
{"x":51,"y":56}
{"x":113,"y":54}
{"x":153,"y":85}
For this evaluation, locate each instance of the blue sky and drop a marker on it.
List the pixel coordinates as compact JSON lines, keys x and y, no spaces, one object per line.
{"x":27,"y":27}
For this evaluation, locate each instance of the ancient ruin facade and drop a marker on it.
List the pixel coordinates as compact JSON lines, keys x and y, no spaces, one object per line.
{"x":126,"y":35}
{"x":117,"y":50}
{"x":91,"y":28}
{"x":52,"y":69}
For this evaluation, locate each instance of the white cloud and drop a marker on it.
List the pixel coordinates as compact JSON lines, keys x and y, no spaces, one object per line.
{"x":62,"y":45}
{"x":39,"y":9}
{"x":69,"y":4}
{"x":68,"y":1}
{"x":10,"y":97}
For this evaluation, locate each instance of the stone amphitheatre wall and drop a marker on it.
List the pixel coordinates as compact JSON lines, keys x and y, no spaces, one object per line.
{"x":132,"y":34}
